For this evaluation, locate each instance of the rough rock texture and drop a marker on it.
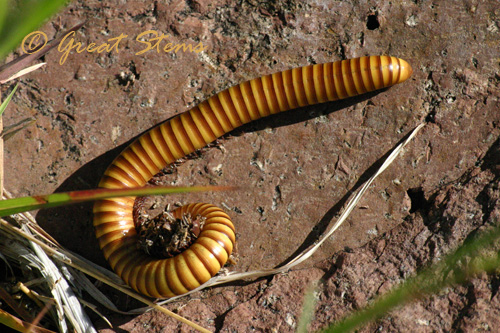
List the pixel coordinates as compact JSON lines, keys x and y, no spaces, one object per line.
{"x":295,"y":170}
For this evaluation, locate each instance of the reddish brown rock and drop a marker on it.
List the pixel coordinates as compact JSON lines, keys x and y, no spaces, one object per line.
{"x":294,"y":171}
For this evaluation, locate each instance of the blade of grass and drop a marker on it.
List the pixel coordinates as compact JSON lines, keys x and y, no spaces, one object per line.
{"x":21,"y":73}
{"x":308,"y":252}
{"x":71,"y":260}
{"x":13,"y":304}
{"x":1,"y":146}
{"x":6,"y":102}
{"x":16,"y":67}
{"x":96,"y":311}
{"x":447,"y":272}
{"x":34,"y":323}
{"x":3,"y":12}
{"x":10,"y":130}
{"x":17,"y":324}
{"x":31,"y":14}
{"x":307,"y":309}
{"x":17,"y":205}
{"x":3,"y":106}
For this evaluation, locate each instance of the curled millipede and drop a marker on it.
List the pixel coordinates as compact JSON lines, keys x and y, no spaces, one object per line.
{"x":194,"y":129}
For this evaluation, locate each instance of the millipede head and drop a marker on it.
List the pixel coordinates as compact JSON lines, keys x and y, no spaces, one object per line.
{"x":405,"y":71}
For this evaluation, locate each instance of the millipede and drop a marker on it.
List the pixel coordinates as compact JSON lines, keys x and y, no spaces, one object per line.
{"x":114,"y":221}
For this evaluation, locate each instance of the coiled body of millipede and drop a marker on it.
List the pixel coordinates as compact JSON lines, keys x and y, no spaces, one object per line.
{"x":194,"y":129}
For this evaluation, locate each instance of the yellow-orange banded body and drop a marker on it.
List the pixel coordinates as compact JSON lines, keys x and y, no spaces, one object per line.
{"x":194,"y":129}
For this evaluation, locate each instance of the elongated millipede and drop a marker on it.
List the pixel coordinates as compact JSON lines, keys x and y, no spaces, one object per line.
{"x":194,"y":129}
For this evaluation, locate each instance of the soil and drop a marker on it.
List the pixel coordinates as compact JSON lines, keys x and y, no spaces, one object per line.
{"x":296,"y":170}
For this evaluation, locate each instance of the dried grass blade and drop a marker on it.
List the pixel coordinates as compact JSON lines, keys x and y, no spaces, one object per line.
{"x":72,"y":260}
{"x":17,"y":65}
{"x":13,"y":244}
{"x":62,"y":292}
{"x":22,"y":72}
{"x":234,"y":276}
{"x":19,"y":310}
{"x":94,"y":308}
{"x":39,"y":317}
{"x":19,"y":325}
{"x":9,"y":131}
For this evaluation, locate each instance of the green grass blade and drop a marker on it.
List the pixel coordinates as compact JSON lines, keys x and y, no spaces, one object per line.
{"x":28,"y":17}
{"x":23,"y":204}
{"x":4,"y":5}
{"x":7,"y":100}
{"x":451,"y":270}
{"x":307,"y":309}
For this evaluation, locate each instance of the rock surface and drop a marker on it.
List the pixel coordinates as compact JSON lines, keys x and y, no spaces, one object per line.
{"x":296,"y":170}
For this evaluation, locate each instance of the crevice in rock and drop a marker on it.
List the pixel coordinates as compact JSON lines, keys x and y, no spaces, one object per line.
{"x":471,"y":301}
{"x":372,"y":22}
{"x":418,"y":201}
